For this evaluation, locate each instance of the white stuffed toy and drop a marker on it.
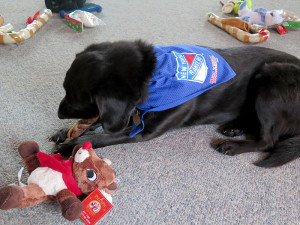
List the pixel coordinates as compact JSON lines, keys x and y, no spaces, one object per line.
{"x":260,"y":16}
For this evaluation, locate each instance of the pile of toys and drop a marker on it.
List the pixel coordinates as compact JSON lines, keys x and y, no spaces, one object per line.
{"x":77,"y":13}
{"x":252,"y":25}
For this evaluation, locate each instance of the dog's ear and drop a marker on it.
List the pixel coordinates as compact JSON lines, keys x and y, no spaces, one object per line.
{"x":148,"y":54}
{"x":95,"y":48}
{"x":114,"y":113}
{"x":98,"y":47}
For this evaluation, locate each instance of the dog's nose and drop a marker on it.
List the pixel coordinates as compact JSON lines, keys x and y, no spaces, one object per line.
{"x":61,"y":109}
{"x":60,"y":115}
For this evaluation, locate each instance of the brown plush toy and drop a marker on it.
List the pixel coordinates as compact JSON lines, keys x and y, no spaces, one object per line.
{"x":53,"y":178}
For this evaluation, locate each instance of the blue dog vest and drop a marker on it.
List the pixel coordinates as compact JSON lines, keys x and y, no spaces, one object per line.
{"x":182,"y":72}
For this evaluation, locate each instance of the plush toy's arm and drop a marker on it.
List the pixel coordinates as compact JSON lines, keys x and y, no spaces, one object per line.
{"x":71,"y":206}
{"x":112,"y":186}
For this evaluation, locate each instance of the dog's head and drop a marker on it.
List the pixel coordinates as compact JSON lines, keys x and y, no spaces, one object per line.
{"x":110,"y":80}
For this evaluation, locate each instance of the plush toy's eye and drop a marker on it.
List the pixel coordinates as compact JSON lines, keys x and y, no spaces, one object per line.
{"x":91,"y":175}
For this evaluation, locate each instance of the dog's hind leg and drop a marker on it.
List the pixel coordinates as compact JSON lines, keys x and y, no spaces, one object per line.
{"x":234,"y":147}
{"x":268,"y":135}
{"x":264,"y":144}
{"x":277,"y":109}
{"x":271,"y":125}
{"x":231,"y":129}
{"x":245,"y":124}
{"x":283,"y":152}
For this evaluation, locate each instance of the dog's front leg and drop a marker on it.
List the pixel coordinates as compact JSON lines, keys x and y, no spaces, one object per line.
{"x":156,"y":123}
{"x":97,"y":140}
{"x":61,"y":135}
{"x":101,"y":140}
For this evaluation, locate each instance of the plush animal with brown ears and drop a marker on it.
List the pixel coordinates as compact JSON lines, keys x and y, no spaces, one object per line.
{"x":53,"y":178}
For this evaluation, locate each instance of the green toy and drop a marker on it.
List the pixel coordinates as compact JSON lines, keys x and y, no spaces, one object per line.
{"x":237,"y":5}
{"x":233,"y":6}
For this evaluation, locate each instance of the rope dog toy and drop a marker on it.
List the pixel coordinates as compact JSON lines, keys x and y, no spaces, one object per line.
{"x":80,"y":127}
{"x":240,"y":29}
{"x":22,"y":35}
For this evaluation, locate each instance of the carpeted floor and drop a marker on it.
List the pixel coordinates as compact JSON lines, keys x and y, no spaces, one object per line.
{"x":174,"y":179}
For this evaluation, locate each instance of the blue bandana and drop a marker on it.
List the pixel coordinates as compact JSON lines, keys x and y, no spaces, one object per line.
{"x":182,"y":72}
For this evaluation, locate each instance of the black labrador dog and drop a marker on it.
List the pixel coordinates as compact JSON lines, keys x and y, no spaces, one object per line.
{"x":261,"y":101}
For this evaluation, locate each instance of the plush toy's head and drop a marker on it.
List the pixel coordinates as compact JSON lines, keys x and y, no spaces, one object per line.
{"x":273,"y":17}
{"x":91,"y":171}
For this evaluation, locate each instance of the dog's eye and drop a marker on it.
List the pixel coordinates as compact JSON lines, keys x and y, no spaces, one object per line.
{"x":91,"y":175}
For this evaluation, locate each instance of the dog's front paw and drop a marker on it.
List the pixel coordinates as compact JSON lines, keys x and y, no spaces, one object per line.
{"x":60,"y":136}
{"x":230,"y":130}
{"x":65,"y":149}
{"x":227,"y":147}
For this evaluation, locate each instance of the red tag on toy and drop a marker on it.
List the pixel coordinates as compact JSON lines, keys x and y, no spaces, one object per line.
{"x":95,"y":206}
{"x":281,"y":29}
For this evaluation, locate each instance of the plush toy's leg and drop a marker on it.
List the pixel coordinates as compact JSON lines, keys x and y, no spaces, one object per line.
{"x":21,"y":197}
{"x":32,"y":195}
{"x":28,"y":151}
{"x":10,"y":197}
{"x":71,"y":206}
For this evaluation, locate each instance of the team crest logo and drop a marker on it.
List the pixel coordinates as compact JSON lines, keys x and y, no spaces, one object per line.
{"x":191,"y":67}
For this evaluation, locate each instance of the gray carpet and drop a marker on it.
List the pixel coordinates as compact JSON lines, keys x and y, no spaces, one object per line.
{"x":174,"y":179}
